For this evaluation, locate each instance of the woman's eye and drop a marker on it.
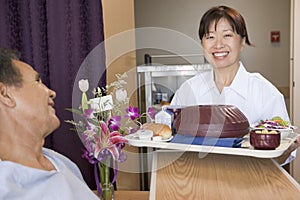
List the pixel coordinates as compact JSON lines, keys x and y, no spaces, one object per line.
{"x":228,"y":35}
{"x":209,"y":37}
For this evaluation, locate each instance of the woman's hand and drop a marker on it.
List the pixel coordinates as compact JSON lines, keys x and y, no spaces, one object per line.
{"x":281,"y":159}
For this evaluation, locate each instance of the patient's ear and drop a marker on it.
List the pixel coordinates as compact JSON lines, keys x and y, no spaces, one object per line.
{"x":6,"y":96}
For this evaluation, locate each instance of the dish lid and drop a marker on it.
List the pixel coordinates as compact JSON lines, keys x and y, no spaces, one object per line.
{"x":211,"y":121}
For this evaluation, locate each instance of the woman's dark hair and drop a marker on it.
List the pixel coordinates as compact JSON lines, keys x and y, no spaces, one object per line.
{"x":9,"y":74}
{"x":214,"y":15}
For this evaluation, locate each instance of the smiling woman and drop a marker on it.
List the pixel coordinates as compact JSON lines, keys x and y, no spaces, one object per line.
{"x":223,"y":36}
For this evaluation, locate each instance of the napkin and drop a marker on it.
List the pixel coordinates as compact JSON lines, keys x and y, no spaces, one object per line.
{"x":207,"y":141}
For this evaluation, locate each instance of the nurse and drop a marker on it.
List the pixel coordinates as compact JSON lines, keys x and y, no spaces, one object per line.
{"x":223,"y":36}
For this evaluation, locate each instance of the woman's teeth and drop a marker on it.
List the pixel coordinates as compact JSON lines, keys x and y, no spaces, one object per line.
{"x":220,"y":54}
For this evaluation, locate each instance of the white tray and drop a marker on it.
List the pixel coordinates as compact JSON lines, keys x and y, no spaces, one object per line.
{"x":245,"y":150}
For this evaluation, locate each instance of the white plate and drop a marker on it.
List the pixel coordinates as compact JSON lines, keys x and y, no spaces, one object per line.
{"x":135,"y":136}
{"x":290,"y":127}
{"x":167,"y":140}
{"x":284,"y":132}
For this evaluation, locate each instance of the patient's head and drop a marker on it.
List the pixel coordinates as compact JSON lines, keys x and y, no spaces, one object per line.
{"x":9,"y":74}
{"x":24,"y":99}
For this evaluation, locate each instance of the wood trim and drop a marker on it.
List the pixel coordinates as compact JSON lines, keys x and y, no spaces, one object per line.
{"x":130,"y":195}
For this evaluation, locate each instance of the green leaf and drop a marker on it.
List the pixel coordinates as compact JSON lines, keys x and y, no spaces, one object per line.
{"x":276,"y":118}
{"x":93,"y":121}
{"x":76,"y":111}
{"x":84,"y":101}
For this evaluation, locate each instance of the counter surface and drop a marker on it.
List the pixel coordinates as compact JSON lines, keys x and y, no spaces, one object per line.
{"x":192,"y":175}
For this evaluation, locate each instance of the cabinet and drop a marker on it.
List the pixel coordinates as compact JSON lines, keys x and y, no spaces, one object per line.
{"x":159,"y":83}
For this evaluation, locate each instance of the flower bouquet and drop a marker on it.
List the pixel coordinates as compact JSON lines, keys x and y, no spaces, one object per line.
{"x":102,"y":127}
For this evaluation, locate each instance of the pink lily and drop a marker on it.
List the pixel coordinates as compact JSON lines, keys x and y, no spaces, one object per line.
{"x":108,"y":141}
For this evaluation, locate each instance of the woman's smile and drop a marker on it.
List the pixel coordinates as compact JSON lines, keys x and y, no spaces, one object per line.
{"x":220,"y":54}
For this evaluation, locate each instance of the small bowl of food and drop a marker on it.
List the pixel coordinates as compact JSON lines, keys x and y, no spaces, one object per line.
{"x":265,"y":139}
{"x":277,"y":124}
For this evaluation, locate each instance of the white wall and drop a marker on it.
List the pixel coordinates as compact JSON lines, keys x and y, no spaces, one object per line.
{"x":261,"y":17}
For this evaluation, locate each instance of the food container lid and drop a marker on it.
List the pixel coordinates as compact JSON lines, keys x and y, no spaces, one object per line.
{"x":211,"y":121}
{"x":145,"y":134}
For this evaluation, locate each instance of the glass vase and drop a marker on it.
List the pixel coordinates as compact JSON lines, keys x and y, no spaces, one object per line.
{"x":107,"y":191}
{"x":105,"y":183}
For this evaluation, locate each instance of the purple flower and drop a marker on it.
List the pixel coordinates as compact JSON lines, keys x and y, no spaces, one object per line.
{"x":133,"y":130}
{"x":151,"y":112}
{"x":132,"y":112}
{"x":87,"y":113}
{"x":89,"y":156}
{"x":115,"y":123}
{"x":122,"y":157}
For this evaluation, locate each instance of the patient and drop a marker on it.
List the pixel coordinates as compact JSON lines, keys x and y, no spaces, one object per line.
{"x":223,"y":36}
{"x":27,"y":116}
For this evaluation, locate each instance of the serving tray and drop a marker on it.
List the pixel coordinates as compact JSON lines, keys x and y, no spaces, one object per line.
{"x":245,"y":150}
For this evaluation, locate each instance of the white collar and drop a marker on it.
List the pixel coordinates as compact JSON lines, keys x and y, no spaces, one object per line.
{"x":240,"y":81}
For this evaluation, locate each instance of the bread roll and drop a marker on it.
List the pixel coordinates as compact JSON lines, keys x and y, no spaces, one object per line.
{"x":158,"y":129}
{"x":164,"y":103}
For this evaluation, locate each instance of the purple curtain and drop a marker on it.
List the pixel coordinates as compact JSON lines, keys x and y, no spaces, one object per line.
{"x":55,"y":37}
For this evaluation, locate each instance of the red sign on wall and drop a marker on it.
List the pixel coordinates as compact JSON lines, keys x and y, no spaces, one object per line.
{"x":275,"y":36}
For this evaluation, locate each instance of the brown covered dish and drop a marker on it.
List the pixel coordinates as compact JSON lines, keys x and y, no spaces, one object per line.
{"x":221,"y":121}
